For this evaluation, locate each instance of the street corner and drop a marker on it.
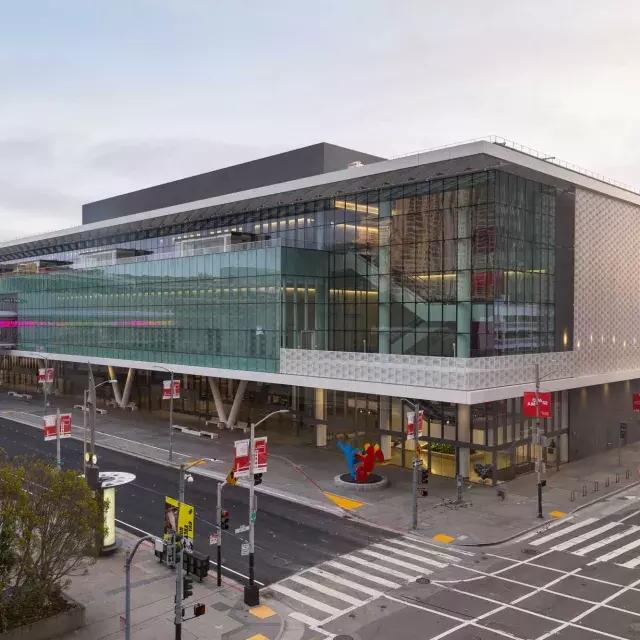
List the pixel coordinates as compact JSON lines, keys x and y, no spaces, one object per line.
{"x":443,"y":538}
{"x":262,"y":622}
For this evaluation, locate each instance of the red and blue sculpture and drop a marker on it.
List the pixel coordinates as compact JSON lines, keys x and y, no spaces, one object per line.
{"x":361,"y":462}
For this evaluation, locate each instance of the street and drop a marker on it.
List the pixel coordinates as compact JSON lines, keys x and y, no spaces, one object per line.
{"x":289,"y":537}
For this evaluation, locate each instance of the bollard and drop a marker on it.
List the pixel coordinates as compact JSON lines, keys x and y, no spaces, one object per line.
{"x":606,"y":482}
{"x":573,"y":495}
{"x":596,"y":486}
{"x":584,"y":490}
{"x":617,"y":478}
{"x":628,"y":474}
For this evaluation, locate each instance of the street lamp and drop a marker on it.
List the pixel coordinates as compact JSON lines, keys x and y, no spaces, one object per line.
{"x":417,"y":461}
{"x":170,"y":410}
{"x":84,"y":424}
{"x":251,"y":591}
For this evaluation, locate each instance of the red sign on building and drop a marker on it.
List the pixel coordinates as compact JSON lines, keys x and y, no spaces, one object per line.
{"x":166,"y":389}
{"x":411,"y":415}
{"x":45,"y":375}
{"x":636,"y":401}
{"x":241,"y":461}
{"x":533,"y":409}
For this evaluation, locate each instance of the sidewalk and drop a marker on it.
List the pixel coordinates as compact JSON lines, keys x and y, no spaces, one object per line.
{"x":100,"y":587}
{"x":481,"y":517}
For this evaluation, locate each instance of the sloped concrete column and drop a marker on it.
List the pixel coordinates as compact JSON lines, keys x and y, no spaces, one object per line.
{"x":115,"y":386}
{"x":320,"y":413}
{"x":217,"y":399}
{"x":237,"y":401}
{"x":126,"y":394}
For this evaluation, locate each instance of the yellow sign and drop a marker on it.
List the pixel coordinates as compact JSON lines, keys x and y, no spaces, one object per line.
{"x":179,"y":518}
{"x":231,"y":478}
{"x":109,"y":497}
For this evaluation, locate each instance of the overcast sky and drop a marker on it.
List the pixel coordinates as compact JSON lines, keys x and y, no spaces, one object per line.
{"x":108,"y":96}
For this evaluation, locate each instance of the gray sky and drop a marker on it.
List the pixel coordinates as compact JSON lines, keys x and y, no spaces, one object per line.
{"x":108,"y":96}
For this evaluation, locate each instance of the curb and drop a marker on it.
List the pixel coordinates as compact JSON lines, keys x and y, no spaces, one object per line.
{"x":547,"y":521}
{"x":275,"y":493}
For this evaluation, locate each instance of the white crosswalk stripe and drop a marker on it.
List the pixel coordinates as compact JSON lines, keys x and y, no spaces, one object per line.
{"x":323,"y":593}
{"x":563,"y":546}
{"x":561,"y":532}
{"x":605,"y":542}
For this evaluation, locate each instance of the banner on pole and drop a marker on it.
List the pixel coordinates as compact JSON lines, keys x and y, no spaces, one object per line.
{"x":49,"y":426}
{"x":241,"y":461}
{"x":411,"y":419}
{"x":534,"y":409}
{"x":166,"y":389}
{"x":179,"y":518}
{"x":45,"y":375}
{"x":636,"y":402}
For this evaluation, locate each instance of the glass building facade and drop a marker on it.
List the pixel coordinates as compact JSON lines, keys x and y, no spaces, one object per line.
{"x":460,"y":266}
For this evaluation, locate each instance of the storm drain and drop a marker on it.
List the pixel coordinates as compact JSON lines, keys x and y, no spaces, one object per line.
{"x":423,"y":580}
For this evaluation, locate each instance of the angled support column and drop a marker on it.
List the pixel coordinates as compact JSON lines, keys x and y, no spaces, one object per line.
{"x":115,"y":386}
{"x":237,"y":401}
{"x":126,"y":394}
{"x":320,"y":414}
{"x":217,"y":399}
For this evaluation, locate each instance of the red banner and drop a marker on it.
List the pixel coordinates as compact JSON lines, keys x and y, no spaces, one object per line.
{"x":241,"y":460}
{"x":166,"y":389}
{"x":49,"y":426}
{"x":636,"y":401}
{"x":539,"y":409}
{"x":45,"y":375}
{"x":411,"y":415}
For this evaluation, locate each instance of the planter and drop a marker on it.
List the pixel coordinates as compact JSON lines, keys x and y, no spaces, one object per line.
{"x":56,"y":626}
{"x":376,"y":482}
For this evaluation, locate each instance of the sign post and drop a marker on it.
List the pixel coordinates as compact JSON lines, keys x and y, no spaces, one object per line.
{"x":170,"y":390}
{"x":55,"y":427}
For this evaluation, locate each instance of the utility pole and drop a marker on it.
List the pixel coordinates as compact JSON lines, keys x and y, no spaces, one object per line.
{"x":417,"y":463}
{"x":171,"y":421}
{"x":128,"y":559}
{"x":179,"y":559}
{"x":251,"y":593}
{"x":84,"y":434}
{"x":219,"y":521}
{"x":44,"y":385}
{"x":538,"y":442}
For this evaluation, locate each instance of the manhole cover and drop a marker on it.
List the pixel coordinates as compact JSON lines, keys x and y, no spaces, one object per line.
{"x":342,"y":637}
{"x":423,"y":580}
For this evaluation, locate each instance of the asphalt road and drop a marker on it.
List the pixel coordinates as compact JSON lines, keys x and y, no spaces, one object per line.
{"x":289,"y":537}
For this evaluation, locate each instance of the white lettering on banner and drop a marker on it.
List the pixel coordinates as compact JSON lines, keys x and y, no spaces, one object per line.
{"x":241,"y":464}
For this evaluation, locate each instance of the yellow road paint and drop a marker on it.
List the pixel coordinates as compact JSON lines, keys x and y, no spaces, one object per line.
{"x":443,"y":537}
{"x":557,"y":514}
{"x":258,"y":636}
{"x":262,"y":612}
{"x":341,"y":501}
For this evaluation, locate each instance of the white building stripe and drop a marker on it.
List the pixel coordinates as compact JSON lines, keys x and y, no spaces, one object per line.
{"x":415,"y":546}
{"x":299,"y":597}
{"x":304,"y":619}
{"x":585,"y":536}
{"x":381,"y":568}
{"x":400,"y":563}
{"x":606,"y":541}
{"x":328,"y":591}
{"x":362,"y":574}
{"x":617,"y":552}
{"x":344,"y":582}
{"x":406,"y":554}
{"x":561,"y":532}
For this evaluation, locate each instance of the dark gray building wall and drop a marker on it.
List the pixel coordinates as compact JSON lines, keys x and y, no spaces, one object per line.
{"x":291,"y":165}
{"x":595,"y":414}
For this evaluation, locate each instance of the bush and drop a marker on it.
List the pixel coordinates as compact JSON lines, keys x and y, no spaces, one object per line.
{"x":50,"y":523}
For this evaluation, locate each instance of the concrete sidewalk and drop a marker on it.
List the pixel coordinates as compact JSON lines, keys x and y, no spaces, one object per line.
{"x":100,"y":588}
{"x":303,"y":474}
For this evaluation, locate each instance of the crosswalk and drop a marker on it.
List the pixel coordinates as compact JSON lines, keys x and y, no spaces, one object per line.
{"x":333,"y":588}
{"x":594,"y":539}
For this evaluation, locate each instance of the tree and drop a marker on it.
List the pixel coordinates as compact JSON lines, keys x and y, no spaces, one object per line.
{"x":50,"y":524}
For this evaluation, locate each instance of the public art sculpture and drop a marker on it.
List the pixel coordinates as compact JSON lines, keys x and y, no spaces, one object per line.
{"x":361,"y":462}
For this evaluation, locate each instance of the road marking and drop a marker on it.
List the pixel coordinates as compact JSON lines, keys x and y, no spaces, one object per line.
{"x":439,"y":554}
{"x":563,"y":531}
{"x":310,"y":602}
{"x":631,"y":564}
{"x":616,"y":552}
{"x":451,"y":549}
{"x":376,"y":567}
{"x":309,"y":621}
{"x":258,"y":636}
{"x":605,"y":541}
{"x":400,"y":563}
{"x":412,"y":556}
{"x":563,"y":546}
{"x":557,"y":514}
{"x":328,"y":591}
{"x":443,"y":537}
{"x":344,"y":503}
{"x":361,"y":574}
{"x":344,"y":582}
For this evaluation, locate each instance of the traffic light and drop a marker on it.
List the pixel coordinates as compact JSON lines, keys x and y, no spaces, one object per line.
{"x":187,"y":587}
{"x":199,"y":609}
{"x":231,"y":478}
{"x":224,"y":520}
{"x":424,"y":477}
{"x":623,"y":430}
{"x":257,"y":479}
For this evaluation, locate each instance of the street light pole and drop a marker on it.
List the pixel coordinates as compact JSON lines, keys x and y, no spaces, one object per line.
{"x":84,"y":433}
{"x":171,"y":421}
{"x":179,"y":560}
{"x":538,"y":442}
{"x":127,"y":585}
{"x":219,"y":521}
